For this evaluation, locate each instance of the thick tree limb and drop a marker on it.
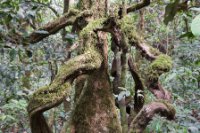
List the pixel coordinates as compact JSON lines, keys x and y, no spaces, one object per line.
{"x":146,"y":50}
{"x":52,"y":95}
{"x":74,"y":67}
{"x":136,"y":7}
{"x":123,"y":32}
{"x":148,"y":112}
{"x":53,"y":27}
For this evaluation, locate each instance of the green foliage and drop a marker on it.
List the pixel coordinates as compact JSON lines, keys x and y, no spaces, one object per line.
{"x":20,"y":17}
{"x":20,"y":75}
{"x":13,"y":114}
{"x":184,"y":123}
{"x":160,"y":125}
{"x":195,"y":26}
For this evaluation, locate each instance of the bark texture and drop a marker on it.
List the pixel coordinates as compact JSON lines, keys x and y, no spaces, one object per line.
{"x":139,"y":87}
{"x":50,"y":96}
{"x":95,"y":109}
{"x":148,"y":112}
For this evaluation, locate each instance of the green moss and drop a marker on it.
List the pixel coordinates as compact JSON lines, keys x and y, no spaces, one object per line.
{"x":26,"y":82}
{"x":154,"y":51}
{"x":85,"y":33}
{"x":74,"y":11}
{"x":162,"y":64}
{"x":127,"y":27}
{"x":46,"y":95}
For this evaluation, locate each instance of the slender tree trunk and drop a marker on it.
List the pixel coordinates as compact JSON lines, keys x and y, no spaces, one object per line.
{"x":65,"y":10}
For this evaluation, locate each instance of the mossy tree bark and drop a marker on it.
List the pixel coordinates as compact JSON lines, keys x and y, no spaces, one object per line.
{"x":95,"y":109}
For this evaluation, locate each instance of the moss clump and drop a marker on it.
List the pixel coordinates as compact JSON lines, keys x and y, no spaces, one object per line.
{"x":127,"y":27}
{"x":162,"y":64}
{"x":154,"y":51}
{"x":46,"y":95}
{"x":85,"y":33}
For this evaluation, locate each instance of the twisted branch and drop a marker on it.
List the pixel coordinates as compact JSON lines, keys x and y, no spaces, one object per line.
{"x":53,"y":27}
{"x":148,"y":112}
{"x":51,"y":96}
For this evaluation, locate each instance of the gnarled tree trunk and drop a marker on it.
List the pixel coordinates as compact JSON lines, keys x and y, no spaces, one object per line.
{"x":95,"y":110}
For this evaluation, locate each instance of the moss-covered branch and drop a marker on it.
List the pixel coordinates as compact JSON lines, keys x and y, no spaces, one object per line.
{"x":148,"y":112}
{"x":53,"y":27}
{"x":52,"y":95}
{"x":79,"y":65}
{"x":136,"y":40}
{"x":160,"y":65}
{"x":123,"y":32}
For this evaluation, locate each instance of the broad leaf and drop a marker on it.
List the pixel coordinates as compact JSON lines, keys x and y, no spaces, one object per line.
{"x":195,"y":26}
